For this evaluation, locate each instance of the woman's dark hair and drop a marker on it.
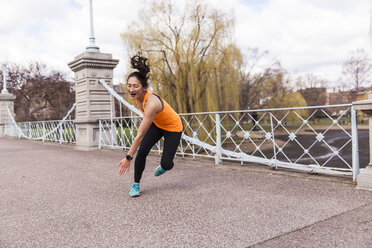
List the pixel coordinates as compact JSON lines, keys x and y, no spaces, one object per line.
{"x":140,"y":63}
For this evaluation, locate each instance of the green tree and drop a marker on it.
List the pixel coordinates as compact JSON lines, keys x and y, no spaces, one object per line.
{"x":288,"y":100}
{"x":195,"y":66}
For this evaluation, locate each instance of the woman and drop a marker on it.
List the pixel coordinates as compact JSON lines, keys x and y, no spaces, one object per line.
{"x":159,"y":120}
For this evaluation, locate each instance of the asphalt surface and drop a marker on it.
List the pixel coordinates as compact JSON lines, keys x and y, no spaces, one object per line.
{"x":55,"y":196}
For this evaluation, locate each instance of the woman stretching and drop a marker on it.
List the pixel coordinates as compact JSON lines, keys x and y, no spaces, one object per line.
{"x":159,"y":120}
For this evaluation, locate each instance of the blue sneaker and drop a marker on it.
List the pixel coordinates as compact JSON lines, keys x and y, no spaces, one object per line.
{"x":159,"y":171}
{"x":135,"y":191}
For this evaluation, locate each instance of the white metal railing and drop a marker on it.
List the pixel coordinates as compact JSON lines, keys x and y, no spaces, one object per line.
{"x":119,"y":133}
{"x":41,"y":130}
{"x":286,"y":137}
{"x":61,"y":131}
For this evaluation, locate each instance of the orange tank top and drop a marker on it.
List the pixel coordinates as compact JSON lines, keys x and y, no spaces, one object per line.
{"x":167,"y":119}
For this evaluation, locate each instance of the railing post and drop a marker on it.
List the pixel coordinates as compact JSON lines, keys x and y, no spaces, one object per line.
{"x":273,"y":138}
{"x":100,"y":134}
{"x":43,"y":133}
{"x":17,"y":132}
{"x":355,"y":146}
{"x":218,"y":139}
{"x":60,"y":135}
{"x":29,"y":128}
{"x":112,"y":125}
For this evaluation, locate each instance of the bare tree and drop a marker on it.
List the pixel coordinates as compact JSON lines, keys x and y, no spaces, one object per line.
{"x":357,"y":69}
{"x":40,"y":94}
{"x":313,"y":81}
{"x":261,"y":81}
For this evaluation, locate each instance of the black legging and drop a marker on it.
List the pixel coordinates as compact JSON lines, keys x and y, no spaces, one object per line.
{"x":153,"y":135}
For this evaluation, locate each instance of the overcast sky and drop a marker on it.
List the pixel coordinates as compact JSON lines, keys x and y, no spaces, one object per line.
{"x":306,"y":36}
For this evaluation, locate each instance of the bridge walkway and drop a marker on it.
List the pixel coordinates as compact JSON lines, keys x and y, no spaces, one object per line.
{"x":55,"y":196}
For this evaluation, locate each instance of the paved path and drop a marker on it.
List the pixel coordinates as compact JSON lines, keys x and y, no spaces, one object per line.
{"x":55,"y":196}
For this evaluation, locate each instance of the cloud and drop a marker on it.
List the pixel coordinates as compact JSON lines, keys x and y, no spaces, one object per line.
{"x":54,"y":32}
{"x":305,"y":35}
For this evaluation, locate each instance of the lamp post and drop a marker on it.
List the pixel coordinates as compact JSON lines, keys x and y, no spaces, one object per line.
{"x":92,"y":45}
{"x":4,"y":91}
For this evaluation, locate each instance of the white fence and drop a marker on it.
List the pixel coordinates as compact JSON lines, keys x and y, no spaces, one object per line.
{"x":61,"y":131}
{"x":308,"y":139}
{"x":53,"y":131}
{"x":319,"y":139}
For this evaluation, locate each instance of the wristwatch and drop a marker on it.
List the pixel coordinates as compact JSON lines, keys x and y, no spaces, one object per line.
{"x":129,"y":157}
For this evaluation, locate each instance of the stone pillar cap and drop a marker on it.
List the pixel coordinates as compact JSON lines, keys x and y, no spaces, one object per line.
{"x":363,"y":104}
{"x":7,"y":97}
{"x":93,"y":60}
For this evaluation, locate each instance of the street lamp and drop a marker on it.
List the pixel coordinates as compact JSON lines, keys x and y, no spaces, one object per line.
{"x":4,"y":91}
{"x":92,"y":45}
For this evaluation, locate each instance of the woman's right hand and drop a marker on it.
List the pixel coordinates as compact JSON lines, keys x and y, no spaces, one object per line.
{"x":124,"y":166}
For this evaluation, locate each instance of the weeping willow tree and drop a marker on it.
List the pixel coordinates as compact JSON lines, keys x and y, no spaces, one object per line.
{"x":194,"y":64}
{"x":289,"y":100}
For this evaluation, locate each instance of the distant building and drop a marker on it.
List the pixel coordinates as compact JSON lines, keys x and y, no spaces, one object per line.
{"x":339,"y":97}
{"x":323,"y":96}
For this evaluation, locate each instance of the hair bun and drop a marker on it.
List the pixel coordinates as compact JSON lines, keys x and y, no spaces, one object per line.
{"x":140,"y":63}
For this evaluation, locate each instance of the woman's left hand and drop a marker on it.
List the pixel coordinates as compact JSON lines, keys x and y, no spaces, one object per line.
{"x":124,"y":166}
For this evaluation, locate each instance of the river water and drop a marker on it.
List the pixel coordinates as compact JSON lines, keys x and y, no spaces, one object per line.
{"x":322,"y":152}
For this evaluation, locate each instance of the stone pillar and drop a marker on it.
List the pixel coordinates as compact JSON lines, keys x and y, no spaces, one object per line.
{"x":92,"y":99}
{"x":6,"y":100}
{"x":364,"y":179}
